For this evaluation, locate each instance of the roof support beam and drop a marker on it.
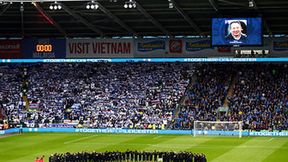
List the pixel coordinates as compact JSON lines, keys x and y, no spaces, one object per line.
{"x":187,"y":18}
{"x":214,"y":5}
{"x":31,"y":1}
{"x":49,"y":18}
{"x":82,"y":20}
{"x":116,"y":19}
{"x":22,"y":19}
{"x":152,"y":19}
{"x":233,"y":3}
{"x":264,"y":21}
{"x":5,"y":9}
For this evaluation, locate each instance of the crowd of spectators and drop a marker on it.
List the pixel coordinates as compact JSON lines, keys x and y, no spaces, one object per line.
{"x":102,"y":95}
{"x":10,"y":93}
{"x":151,"y":156}
{"x":206,"y":94}
{"x":145,"y":95}
{"x":260,"y":97}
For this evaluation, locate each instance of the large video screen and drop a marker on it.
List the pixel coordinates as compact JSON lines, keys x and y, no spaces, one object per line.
{"x":236,"y":31}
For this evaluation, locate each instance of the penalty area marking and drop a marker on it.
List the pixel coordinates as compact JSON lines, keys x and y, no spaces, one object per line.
{"x":8,"y":135}
{"x":157,"y":137}
{"x":79,"y":139}
{"x":270,"y":139}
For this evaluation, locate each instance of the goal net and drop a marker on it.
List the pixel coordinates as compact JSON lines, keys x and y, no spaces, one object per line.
{"x":217,"y":128}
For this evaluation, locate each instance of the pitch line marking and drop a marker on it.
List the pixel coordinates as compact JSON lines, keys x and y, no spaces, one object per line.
{"x":270,"y":139}
{"x":157,"y":137}
{"x":8,"y":135}
{"x":79,"y":139}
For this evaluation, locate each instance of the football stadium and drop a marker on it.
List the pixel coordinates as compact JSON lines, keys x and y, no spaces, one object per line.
{"x":143,"y":81}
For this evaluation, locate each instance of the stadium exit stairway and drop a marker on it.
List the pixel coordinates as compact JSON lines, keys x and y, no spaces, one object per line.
{"x":25,"y":84}
{"x":2,"y":113}
{"x":230,"y":90}
{"x":184,"y":97}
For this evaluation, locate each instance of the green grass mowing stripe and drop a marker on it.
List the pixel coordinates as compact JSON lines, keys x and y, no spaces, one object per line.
{"x":142,"y":142}
{"x":254,"y":150}
{"x":76,"y":143}
{"x":160,"y":143}
{"x":279,"y":155}
{"x":59,"y":144}
{"x":180,"y":143}
{"x":99,"y":143}
{"x":13,"y":148}
{"x":216,"y":146}
{"x":80,"y":139}
{"x":27,"y":146}
{"x":31,"y":145}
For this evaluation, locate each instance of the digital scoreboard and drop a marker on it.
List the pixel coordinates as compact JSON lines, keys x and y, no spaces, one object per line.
{"x":236,"y":31}
{"x":251,"y":53}
{"x":44,"y":48}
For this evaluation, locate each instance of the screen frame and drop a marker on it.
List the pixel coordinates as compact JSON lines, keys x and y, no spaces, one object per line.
{"x":236,"y":45}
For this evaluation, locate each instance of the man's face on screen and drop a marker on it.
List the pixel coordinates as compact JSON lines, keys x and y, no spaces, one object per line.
{"x":235,"y":29}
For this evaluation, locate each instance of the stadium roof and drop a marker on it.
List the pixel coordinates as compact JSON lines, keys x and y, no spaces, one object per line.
{"x":149,"y":18}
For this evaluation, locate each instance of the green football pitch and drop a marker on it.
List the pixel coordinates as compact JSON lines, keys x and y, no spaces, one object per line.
{"x":25,"y":147}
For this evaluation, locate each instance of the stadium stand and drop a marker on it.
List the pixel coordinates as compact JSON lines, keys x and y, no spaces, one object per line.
{"x":204,"y":96}
{"x":10,"y":94}
{"x":145,"y":95}
{"x":260,"y":97}
{"x":105,"y":95}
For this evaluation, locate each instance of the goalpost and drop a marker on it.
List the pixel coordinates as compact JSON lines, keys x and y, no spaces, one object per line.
{"x":218,"y":128}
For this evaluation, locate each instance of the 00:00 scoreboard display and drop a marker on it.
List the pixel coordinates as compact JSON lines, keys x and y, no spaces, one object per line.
{"x":44,"y":48}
